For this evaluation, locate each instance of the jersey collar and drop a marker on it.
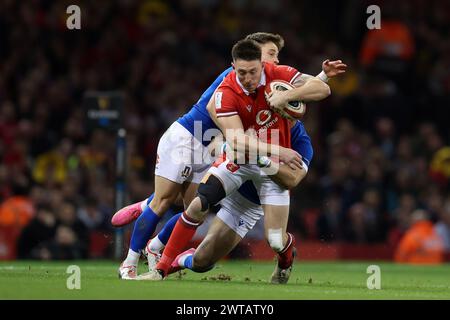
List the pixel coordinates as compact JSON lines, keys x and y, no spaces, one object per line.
{"x":262,"y":82}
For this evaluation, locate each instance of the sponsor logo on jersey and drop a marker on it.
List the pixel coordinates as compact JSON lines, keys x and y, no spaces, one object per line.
{"x":263,"y":116}
{"x":218,"y":99}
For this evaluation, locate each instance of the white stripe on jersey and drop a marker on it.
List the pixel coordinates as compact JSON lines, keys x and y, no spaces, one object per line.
{"x":294,"y":77}
{"x":226,"y":114}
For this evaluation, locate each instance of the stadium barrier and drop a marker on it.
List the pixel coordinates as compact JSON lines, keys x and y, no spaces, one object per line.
{"x":317,"y":250}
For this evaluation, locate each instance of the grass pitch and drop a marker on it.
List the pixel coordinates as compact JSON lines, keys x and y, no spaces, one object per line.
{"x":230,"y":280}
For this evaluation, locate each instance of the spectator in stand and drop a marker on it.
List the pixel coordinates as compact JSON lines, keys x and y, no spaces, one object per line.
{"x":442,"y":228}
{"x":387,"y":52}
{"x":40,"y":229}
{"x":17,"y":210}
{"x":330,"y":220}
{"x":400,"y":219}
{"x":421,"y":244}
{"x":92,"y":217}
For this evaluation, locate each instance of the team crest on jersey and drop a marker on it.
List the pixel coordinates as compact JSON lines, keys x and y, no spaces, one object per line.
{"x":263,"y":116}
{"x":249,"y":108}
{"x":232,"y":167}
{"x":241,"y":222}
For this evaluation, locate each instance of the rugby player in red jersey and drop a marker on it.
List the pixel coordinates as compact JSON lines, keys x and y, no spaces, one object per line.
{"x":241,"y":105}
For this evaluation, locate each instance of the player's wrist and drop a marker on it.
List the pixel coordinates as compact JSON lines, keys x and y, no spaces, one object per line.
{"x":323,"y":76}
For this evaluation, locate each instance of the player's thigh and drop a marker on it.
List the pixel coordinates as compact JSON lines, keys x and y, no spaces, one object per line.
{"x":189,"y":192}
{"x":175,"y":155}
{"x":231,"y":175}
{"x":219,"y":241}
{"x":239,"y":213}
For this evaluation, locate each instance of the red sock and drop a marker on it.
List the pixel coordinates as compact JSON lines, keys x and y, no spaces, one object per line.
{"x":182,"y":233}
{"x":286,"y":256}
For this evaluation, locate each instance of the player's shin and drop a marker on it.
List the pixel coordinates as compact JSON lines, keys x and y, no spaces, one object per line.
{"x":143,"y":229}
{"x":157,"y":244}
{"x":287,"y":255}
{"x":182,"y":233}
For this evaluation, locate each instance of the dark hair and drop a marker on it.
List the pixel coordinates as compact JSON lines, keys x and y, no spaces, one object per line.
{"x":265,"y":37}
{"x":247,"y":50}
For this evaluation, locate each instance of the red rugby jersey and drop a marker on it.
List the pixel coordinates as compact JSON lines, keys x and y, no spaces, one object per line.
{"x":232,"y":99}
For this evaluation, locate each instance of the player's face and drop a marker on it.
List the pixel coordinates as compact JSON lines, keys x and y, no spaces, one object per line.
{"x":270,"y":53}
{"x":249,"y":73}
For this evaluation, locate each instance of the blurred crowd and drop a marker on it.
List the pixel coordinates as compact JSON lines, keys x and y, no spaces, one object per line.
{"x":381,"y":141}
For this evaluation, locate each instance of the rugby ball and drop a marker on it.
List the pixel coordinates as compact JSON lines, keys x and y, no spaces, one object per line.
{"x":293,"y":109}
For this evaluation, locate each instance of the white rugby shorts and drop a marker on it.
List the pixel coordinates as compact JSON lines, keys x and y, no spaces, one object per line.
{"x":239,"y":214}
{"x":233,"y":176}
{"x":181,"y":157}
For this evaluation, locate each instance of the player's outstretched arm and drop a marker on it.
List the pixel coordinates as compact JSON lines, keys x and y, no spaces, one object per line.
{"x":332,"y":68}
{"x":313,"y":90}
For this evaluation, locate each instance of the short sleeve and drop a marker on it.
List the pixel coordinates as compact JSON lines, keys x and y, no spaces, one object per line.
{"x":286,"y":73}
{"x":225,"y":102}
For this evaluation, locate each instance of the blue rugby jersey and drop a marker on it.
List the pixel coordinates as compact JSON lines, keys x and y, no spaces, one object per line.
{"x":198,"y":112}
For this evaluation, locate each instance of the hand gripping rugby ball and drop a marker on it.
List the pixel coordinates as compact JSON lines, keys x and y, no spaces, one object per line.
{"x":293,"y":109}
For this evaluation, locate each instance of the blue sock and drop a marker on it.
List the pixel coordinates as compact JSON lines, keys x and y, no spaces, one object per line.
{"x":188,"y":262}
{"x":143,"y":229}
{"x":166,"y":231}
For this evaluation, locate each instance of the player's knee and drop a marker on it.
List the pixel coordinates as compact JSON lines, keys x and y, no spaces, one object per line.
{"x":202,"y":269}
{"x":275,"y":239}
{"x":210,"y":193}
{"x":160,"y":204}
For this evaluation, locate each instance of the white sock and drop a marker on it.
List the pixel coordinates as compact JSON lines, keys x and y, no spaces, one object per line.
{"x":132,"y":258}
{"x":156,"y":245}
{"x":143,"y":204}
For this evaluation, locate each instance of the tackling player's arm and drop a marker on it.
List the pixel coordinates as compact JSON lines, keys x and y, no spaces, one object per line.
{"x":330,"y":69}
{"x":232,"y":128}
{"x":306,"y":89}
{"x":313,"y":89}
{"x":288,"y":177}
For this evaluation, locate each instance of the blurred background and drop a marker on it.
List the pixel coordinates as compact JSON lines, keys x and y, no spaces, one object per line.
{"x":381,"y":165}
